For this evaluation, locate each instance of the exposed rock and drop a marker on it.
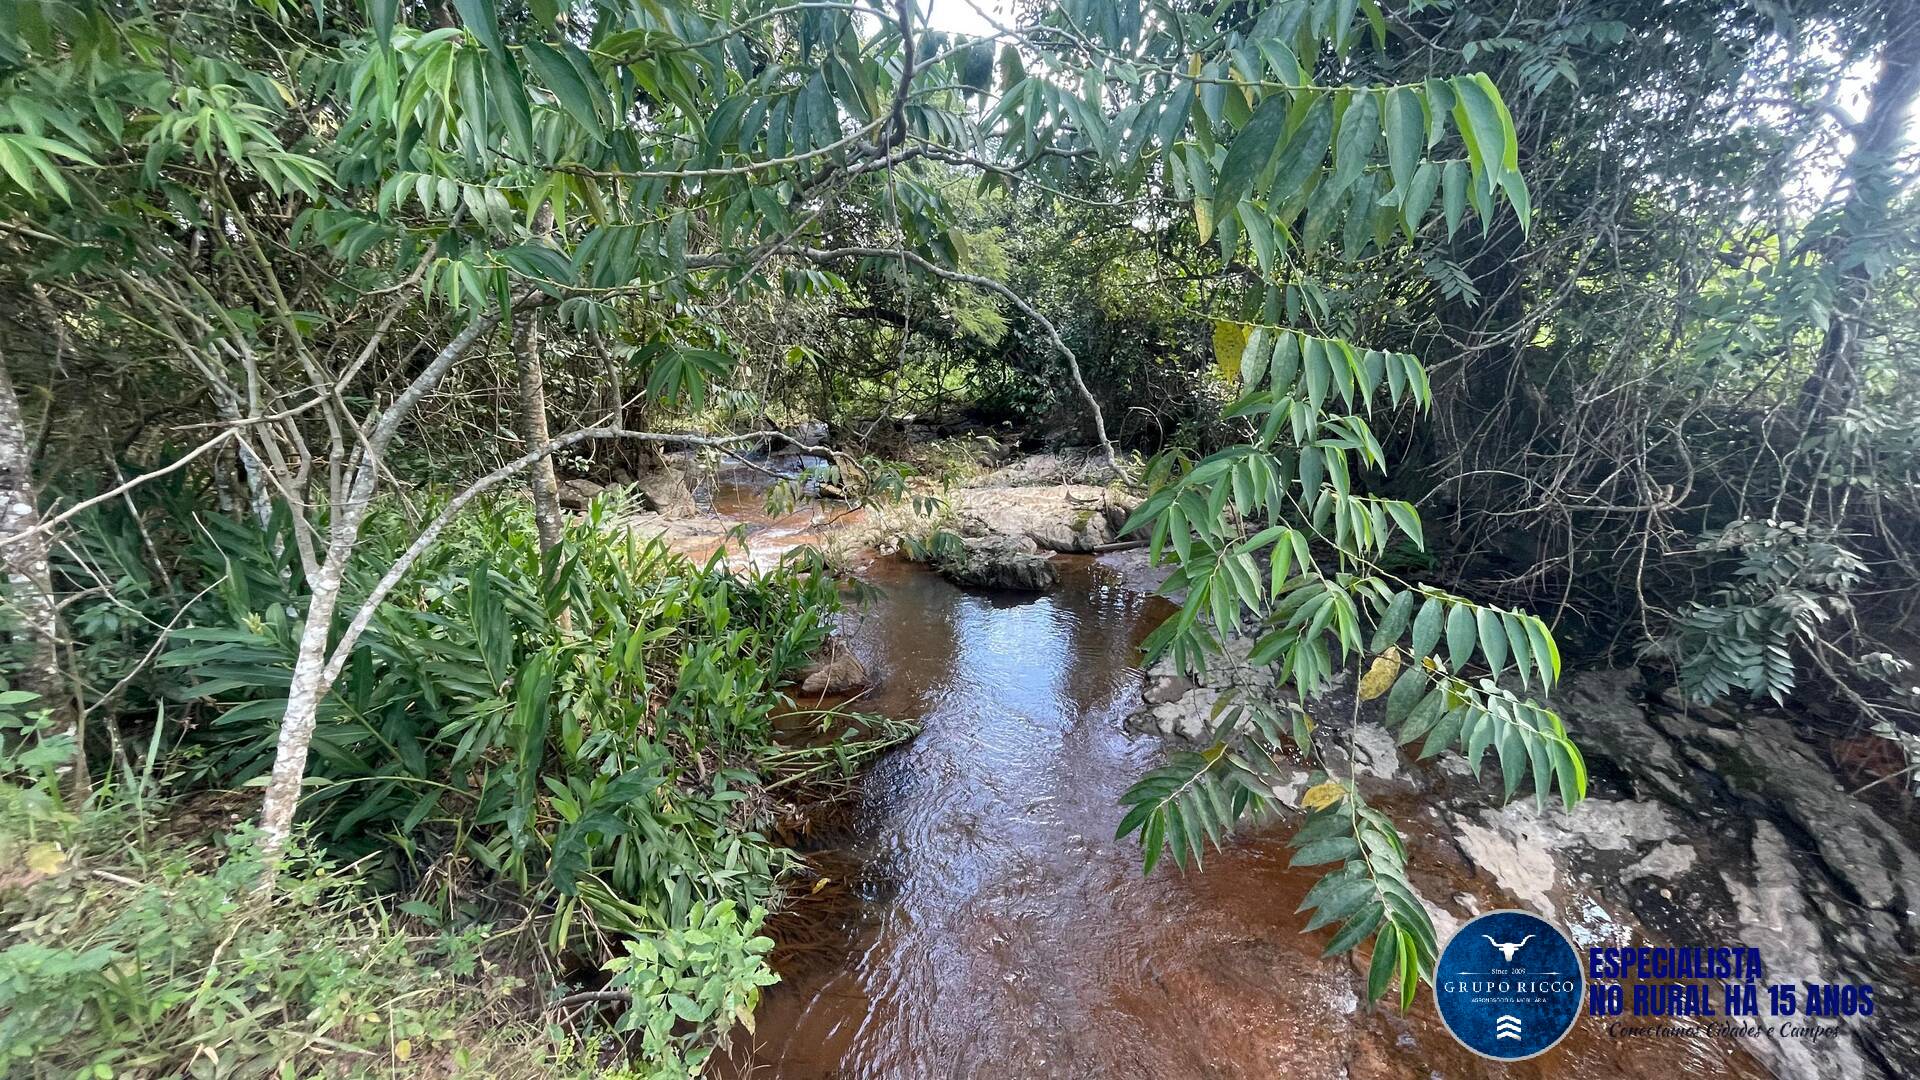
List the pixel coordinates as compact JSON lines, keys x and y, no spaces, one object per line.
{"x":1517,"y":844}
{"x":1166,"y":689}
{"x":838,"y":671}
{"x":665,"y":492}
{"x":577,"y":493}
{"x":1666,"y":862}
{"x":1136,"y":572}
{"x":1773,"y":910}
{"x":1775,"y":855}
{"x":1189,"y":713}
{"x":1064,"y":518}
{"x":1000,"y":562}
{"x":1766,"y":760}
{"x":1062,"y":467}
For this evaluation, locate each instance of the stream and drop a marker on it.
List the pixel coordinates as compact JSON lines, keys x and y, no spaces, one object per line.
{"x":991,"y":926}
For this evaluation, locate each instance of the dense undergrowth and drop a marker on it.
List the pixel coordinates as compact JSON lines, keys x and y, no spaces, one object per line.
{"x":536,"y":771}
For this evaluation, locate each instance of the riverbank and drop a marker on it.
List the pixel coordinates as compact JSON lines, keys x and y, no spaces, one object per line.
{"x":984,"y":889}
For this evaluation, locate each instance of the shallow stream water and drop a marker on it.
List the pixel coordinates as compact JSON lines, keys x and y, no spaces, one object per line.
{"x":989,"y":924}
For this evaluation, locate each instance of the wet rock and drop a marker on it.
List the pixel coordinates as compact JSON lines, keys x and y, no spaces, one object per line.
{"x":1517,"y":844}
{"x":1000,"y":562}
{"x":1190,"y":713}
{"x":1717,"y":828}
{"x":1166,"y":689}
{"x":1135,"y":572}
{"x":1767,"y":761}
{"x":1666,"y":862}
{"x":838,"y":671}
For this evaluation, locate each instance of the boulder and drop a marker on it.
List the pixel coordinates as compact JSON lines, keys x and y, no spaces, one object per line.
{"x":665,"y":492}
{"x":1065,"y":518}
{"x":837,"y":671}
{"x":575,"y":494}
{"x":1000,"y":562}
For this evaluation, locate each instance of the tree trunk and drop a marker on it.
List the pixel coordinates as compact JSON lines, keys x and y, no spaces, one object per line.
{"x":1865,"y":222}
{"x":311,"y":680}
{"x":533,"y":430}
{"x":29,"y":587}
{"x":304,"y":694}
{"x":533,"y":415}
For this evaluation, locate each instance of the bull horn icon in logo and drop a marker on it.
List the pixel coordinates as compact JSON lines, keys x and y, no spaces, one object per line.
{"x":1507,"y":948}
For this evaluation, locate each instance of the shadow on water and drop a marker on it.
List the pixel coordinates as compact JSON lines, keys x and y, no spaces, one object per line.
{"x":989,"y":925}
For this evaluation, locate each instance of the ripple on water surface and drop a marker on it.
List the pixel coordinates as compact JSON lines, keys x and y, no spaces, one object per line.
{"x":1003,"y":932}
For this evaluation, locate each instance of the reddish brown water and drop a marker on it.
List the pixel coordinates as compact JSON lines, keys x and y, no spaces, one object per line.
{"x":1001,"y":931}
{"x":997,"y":930}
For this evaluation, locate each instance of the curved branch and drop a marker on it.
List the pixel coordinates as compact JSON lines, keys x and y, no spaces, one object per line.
{"x":998,"y":288}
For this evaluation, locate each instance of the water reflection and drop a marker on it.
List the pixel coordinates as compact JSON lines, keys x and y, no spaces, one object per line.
{"x":1003,"y":932}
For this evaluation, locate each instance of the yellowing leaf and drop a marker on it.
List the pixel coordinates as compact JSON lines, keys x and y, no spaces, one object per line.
{"x":46,"y":858}
{"x":1380,"y":676}
{"x":820,"y":884}
{"x":403,"y":1049}
{"x":1321,"y":796}
{"x":1229,"y":344}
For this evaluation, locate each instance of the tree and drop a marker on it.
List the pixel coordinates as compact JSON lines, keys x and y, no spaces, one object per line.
{"x":318,"y":216}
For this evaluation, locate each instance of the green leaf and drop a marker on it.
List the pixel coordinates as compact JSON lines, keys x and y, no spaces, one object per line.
{"x":1405,"y":123}
{"x":1405,"y":516}
{"x":1409,"y":968}
{"x":1516,"y":634}
{"x":482,"y":18}
{"x":509,"y":94}
{"x":568,"y":88}
{"x":1417,"y":199}
{"x":1460,"y":637}
{"x":384,"y":13}
{"x":1453,"y":197}
{"x":1546,"y":652}
{"x":1349,"y":892}
{"x":1394,"y":622}
{"x":1332,"y":849}
{"x":1306,"y":149}
{"x":1493,"y":640}
{"x":1426,"y":628}
{"x":1353,"y":146}
{"x":1384,"y":965}
{"x":1252,"y":149}
{"x":1405,"y":694}
{"x":1356,"y":929}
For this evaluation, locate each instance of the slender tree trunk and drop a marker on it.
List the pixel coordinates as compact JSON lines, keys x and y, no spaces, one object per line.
{"x":1866,"y":222}
{"x":304,"y":694}
{"x":533,"y":430}
{"x":533,"y":415}
{"x":312,"y":675}
{"x":29,"y":586}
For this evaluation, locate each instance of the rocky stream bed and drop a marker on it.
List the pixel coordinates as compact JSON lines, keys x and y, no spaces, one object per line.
{"x":1004,"y":902}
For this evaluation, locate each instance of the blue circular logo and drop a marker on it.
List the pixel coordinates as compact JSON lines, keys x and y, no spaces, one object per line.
{"x":1509,"y":985}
